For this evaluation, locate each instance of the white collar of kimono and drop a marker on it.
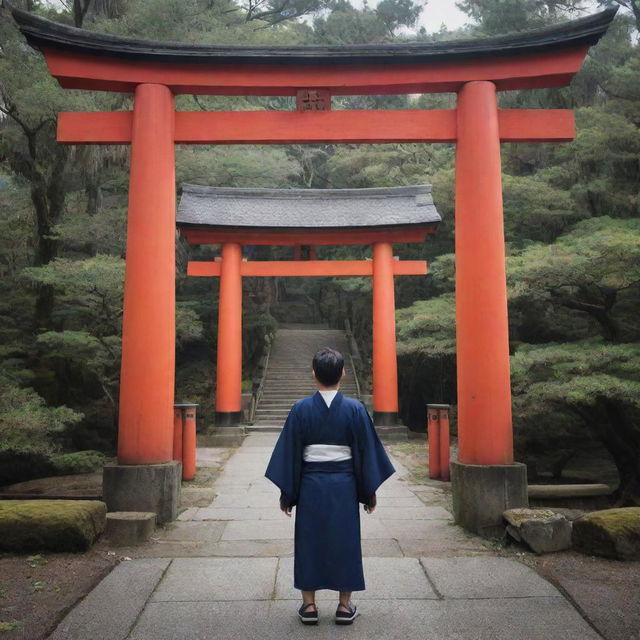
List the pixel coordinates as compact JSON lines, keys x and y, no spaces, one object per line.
{"x":328,"y":395}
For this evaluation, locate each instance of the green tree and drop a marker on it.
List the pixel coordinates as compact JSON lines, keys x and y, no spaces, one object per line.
{"x":598,"y":384}
{"x":508,"y":16}
{"x":592,"y":270}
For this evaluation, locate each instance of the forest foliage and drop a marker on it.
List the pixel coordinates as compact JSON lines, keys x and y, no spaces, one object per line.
{"x":572,"y":226}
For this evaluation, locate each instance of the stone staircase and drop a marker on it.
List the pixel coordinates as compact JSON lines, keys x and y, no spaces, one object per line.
{"x":289,"y":375}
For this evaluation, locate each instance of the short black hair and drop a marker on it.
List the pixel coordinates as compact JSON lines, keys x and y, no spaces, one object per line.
{"x":327,"y":366}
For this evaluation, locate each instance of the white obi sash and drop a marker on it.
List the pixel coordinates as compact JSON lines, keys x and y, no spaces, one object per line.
{"x":326,"y":453}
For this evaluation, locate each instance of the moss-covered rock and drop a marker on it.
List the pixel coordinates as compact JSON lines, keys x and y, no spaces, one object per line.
{"x":53,"y":525}
{"x":612,"y":533}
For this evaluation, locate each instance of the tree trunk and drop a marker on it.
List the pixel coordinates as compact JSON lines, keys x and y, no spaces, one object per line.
{"x":621,"y":437}
{"x":47,"y":196}
{"x":624,"y":436}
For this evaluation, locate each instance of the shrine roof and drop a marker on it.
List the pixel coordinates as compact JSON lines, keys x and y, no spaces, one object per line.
{"x":321,"y":209}
{"x":41,"y":32}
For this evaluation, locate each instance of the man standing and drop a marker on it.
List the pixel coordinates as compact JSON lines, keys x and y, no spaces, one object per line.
{"x":327,"y":460}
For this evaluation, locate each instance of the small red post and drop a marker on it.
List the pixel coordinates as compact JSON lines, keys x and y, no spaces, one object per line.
{"x":177,"y":433}
{"x":438,"y":433}
{"x":188,"y":440}
{"x":443,"y":421}
{"x":433,"y":433}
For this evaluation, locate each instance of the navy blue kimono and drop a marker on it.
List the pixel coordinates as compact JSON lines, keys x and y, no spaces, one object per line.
{"x":327,"y":550}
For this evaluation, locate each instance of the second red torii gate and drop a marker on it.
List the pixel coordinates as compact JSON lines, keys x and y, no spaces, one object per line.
{"x":235,"y":217}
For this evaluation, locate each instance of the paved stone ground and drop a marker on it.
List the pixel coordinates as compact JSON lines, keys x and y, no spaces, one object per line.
{"x":225,"y":571}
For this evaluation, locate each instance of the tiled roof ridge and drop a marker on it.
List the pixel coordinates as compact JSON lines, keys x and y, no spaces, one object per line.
{"x":319,"y":194}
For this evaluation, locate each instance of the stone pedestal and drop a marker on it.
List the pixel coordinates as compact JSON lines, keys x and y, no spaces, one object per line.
{"x":482,"y":493}
{"x":385,"y":418}
{"x":228,"y":419}
{"x":127,"y":528}
{"x":143,"y":487}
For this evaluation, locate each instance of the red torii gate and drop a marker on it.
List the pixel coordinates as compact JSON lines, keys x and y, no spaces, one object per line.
{"x":485,"y":480}
{"x":313,"y":217}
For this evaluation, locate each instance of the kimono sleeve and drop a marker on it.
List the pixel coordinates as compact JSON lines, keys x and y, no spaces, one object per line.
{"x":285,"y":466}
{"x":371,"y":462}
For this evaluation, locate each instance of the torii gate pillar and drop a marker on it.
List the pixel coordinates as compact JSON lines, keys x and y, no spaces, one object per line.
{"x":485,"y":469}
{"x":385,"y":364}
{"x":229,"y":363}
{"x":146,"y":477}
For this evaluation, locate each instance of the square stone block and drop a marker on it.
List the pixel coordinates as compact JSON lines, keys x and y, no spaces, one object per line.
{"x":193,"y":531}
{"x":411,"y":513}
{"x":227,"y":513}
{"x":110,"y":610}
{"x":371,"y":528}
{"x":124,"y":528}
{"x":259,"y":530}
{"x":486,"y":578}
{"x":394,"y":578}
{"x":217,"y":579}
{"x":421,"y":529}
{"x":514,"y":619}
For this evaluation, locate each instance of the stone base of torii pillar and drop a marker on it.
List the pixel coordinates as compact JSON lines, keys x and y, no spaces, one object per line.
{"x":482,"y":493}
{"x":143,"y":487}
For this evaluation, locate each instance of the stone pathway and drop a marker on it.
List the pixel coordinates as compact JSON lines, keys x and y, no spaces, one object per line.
{"x":225,"y":571}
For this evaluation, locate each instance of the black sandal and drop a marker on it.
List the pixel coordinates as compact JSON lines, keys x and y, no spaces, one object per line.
{"x":346,"y":617}
{"x":308,"y":617}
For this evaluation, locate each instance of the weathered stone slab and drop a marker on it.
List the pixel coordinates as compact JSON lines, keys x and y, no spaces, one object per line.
{"x":395,"y":578}
{"x":238,"y":498}
{"x":217,"y":579}
{"x":259,"y":529}
{"x":403,"y":501}
{"x":393,"y":491}
{"x":373,"y":528}
{"x":440,"y":548}
{"x":193,"y":531}
{"x":422,"y":529}
{"x":486,"y":578}
{"x":612,"y":533}
{"x":188,"y":513}
{"x":411,"y":513}
{"x":509,"y":619}
{"x":125,"y":528}
{"x":228,"y":513}
{"x":110,"y":610}
{"x":542,"y":530}
{"x":381,"y":547}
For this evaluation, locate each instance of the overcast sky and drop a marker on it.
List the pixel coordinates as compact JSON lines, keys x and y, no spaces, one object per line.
{"x":438,"y":12}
